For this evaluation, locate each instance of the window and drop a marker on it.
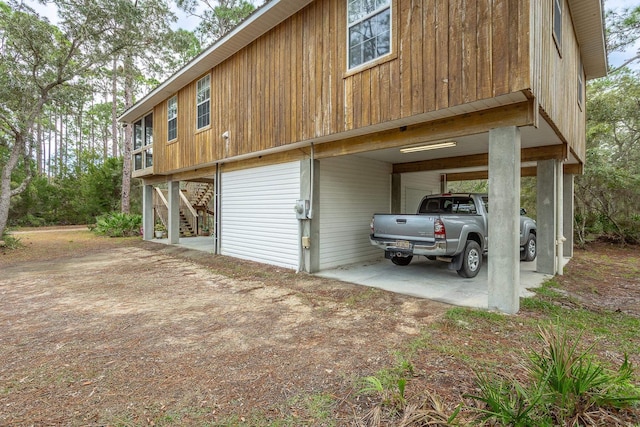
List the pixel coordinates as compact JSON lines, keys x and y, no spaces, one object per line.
{"x":581,"y":85}
{"x":137,"y":161}
{"x":172,"y":119}
{"x":557,"y":23}
{"x":137,"y":135}
{"x":369,"y":31}
{"x":148,"y":158}
{"x":143,"y":143}
{"x":148,"y":130}
{"x":203,"y":102}
{"x":456,"y":205}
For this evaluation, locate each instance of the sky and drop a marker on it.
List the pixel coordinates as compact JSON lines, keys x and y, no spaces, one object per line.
{"x":189,"y":23}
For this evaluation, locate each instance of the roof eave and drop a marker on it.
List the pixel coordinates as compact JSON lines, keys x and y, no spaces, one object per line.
{"x":588,"y":21}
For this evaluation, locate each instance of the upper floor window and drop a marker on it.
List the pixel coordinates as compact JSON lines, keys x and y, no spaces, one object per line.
{"x":148,"y":130}
{"x":172,"y":118}
{"x":137,"y":135}
{"x":203,"y":102}
{"x":581,"y":86}
{"x":369,"y":30}
{"x":558,"y":6}
{"x":143,"y":143}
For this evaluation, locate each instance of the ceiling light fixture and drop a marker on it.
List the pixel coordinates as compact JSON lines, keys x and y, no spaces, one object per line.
{"x":426,"y":147}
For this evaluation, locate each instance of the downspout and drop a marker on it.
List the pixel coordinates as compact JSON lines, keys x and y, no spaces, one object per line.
{"x":216,"y":211}
{"x":309,"y":215}
{"x":311,"y":180}
{"x":560,"y":239}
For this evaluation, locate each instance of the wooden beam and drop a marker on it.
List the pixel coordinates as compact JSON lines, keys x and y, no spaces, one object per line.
{"x":533,"y":154}
{"x":573,"y":169}
{"x":195,"y":175}
{"x":520,"y":114}
{"x":471,"y":176}
{"x":529,"y":171}
{"x":545,"y":152}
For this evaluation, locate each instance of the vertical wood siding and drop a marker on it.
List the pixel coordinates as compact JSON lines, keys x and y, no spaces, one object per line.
{"x":291,"y":84}
{"x":351,"y":189}
{"x":555,"y":77}
{"x":258,"y":222}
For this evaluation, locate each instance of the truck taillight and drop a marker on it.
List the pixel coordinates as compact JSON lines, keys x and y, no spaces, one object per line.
{"x":438,"y":229}
{"x":371,"y":224}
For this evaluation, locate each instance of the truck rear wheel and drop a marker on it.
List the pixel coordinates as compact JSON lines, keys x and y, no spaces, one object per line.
{"x":530,"y":249}
{"x":471,"y":260}
{"x":400,"y":260}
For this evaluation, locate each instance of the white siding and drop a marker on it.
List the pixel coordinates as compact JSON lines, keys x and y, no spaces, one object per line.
{"x":415,"y":186}
{"x":352,"y":189}
{"x":258,"y":221}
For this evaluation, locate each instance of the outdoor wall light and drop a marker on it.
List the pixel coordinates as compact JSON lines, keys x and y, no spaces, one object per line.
{"x":426,"y":147}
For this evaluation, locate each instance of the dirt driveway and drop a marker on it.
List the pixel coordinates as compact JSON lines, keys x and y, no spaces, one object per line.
{"x":98,"y":331}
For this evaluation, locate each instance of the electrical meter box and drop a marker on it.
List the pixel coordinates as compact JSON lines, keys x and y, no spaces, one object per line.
{"x":302,"y":209}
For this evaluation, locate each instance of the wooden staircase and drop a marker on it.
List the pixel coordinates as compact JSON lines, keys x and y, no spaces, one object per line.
{"x":194,"y":197}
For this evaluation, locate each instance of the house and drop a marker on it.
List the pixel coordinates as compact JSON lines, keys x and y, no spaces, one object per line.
{"x":313,"y":114}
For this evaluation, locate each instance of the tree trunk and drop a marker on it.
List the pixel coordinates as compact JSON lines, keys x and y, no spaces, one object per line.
{"x":114,"y":108}
{"x":128,"y":134}
{"x":17,"y":152}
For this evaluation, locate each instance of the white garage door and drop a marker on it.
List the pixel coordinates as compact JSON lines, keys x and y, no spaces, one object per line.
{"x":352,"y":189}
{"x":258,"y":220}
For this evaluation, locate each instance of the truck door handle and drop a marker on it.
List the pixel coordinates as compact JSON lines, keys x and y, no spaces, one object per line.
{"x":401,"y":221}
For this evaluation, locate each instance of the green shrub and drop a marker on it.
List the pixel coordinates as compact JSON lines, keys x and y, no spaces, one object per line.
{"x":568,"y":387}
{"x":118,"y":224}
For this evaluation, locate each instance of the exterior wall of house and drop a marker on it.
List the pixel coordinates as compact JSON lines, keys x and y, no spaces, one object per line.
{"x":352,"y":188}
{"x":258,"y":222}
{"x":554,"y":75}
{"x":415,"y":186}
{"x":292,"y":84}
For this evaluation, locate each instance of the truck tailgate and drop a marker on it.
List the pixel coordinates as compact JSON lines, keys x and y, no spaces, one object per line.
{"x":405,"y":227}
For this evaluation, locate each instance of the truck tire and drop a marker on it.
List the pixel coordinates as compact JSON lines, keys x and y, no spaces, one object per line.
{"x":399,"y":260}
{"x":530,"y":249}
{"x":471,"y":260}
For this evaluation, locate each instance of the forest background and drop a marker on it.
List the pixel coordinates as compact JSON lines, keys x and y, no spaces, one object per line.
{"x":65,"y":159}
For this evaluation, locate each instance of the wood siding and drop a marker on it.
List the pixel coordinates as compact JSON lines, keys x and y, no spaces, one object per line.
{"x":554,"y":76}
{"x":292,"y":85}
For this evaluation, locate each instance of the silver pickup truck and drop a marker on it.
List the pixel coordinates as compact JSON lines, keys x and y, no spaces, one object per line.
{"x":447,"y":227}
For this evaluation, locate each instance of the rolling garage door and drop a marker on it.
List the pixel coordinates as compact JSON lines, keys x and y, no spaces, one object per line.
{"x":352,"y":189}
{"x":258,"y":220}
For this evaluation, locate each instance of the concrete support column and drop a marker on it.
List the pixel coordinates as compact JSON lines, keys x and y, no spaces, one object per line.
{"x":310,"y":228}
{"x":173,"y":226}
{"x":568,"y":207}
{"x":443,"y":183}
{"x":504,"y":219}
{"x":396,"y":193}
{"x":546,"y":217}
{"x":147,"y":212}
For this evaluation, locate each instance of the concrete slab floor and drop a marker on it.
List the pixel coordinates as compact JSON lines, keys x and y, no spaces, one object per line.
{"x":432,"y":280}
{"x":422,"y":278}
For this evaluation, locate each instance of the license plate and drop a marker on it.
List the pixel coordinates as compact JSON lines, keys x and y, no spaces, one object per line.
{"x":403,"y":244}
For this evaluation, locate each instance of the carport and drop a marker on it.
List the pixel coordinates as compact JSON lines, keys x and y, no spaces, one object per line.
{"x":510,"y":142}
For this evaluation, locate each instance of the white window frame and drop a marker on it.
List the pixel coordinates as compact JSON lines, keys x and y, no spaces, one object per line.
{"x":581,"y":87}
{"x":172,"y":116}
{"x":381,"y":7}
{"x":203,"y":97}
{"x":142,"y":154}
{"x":557,"y":18}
